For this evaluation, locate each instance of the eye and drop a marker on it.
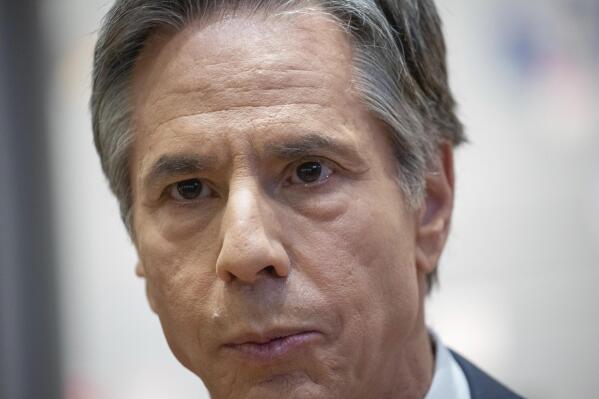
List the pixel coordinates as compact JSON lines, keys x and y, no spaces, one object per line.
{"x":188,"y":190}
{"x":310,"y":172}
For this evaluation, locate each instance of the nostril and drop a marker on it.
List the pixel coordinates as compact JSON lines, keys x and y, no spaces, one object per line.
{"x":226,"y":276}
{"x":270,"y":271}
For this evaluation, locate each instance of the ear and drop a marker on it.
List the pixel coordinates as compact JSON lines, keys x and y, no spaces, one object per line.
{"x":435,"y":212}
{"x":141,"y":272}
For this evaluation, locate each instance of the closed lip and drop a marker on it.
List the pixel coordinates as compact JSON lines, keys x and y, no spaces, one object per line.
{"x":272,"y":344}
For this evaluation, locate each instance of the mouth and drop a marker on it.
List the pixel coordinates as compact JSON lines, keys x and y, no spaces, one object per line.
{"x":273,"y":345}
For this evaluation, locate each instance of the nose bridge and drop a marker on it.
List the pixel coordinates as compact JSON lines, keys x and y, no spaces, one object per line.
{"x":249,"y":243}
{"x":243,"y":214}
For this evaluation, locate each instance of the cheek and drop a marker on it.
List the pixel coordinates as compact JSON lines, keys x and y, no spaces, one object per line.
{"x":180,"y":276}
{"x":366,"y":246}
{"x":362,"y":263}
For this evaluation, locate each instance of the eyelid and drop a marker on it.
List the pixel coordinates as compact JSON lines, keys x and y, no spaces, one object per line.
{"x":171,"y":192}
{"x":326,"y":163}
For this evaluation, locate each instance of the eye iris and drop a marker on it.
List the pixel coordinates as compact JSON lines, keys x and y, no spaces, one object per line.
{"x":309,"y":172}
{"x":189,"y":189}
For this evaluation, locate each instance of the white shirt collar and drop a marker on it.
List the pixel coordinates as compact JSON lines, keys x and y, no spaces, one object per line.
{"x":449,"y":381}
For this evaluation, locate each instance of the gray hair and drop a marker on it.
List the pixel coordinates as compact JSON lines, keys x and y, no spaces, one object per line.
{"x":399,"y":71}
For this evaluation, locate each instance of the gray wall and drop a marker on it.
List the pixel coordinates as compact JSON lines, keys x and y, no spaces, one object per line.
{"x":30,"y":365}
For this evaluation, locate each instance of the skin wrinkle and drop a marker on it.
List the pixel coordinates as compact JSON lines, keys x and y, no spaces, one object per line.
{"x":229,"y":109}
{"x":207,"y":90}
{"x":344,"y":252}
{"x":255,"y":72}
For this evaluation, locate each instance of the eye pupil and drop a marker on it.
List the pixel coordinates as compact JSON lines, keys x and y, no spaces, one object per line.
{"x":189,"y":189}
{"x":309,"y":172}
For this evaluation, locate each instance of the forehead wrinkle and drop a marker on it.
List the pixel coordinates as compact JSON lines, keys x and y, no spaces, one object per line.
{"x":236,"y":109}
{"x":254,"y":89}
{"x":247,"y":86}
{"x":267,"y":99}
{"x":243,"y":90}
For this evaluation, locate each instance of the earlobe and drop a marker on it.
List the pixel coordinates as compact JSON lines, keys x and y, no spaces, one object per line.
{"x":140,"y":272}
{"x":436,"y":210}
{"x":139,"y":269}
{"x":150,"y":298}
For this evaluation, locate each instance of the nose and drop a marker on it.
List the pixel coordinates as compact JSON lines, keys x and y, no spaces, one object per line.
{"x":250,"y":246}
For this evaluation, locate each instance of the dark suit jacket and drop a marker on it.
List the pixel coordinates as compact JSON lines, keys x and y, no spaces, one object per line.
{"x":483,"y":386}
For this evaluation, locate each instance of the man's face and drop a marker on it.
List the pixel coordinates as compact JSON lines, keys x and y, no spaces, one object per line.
{"x":278,"y":250}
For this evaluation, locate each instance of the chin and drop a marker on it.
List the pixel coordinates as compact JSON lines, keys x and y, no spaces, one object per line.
{"x":277,"y":386}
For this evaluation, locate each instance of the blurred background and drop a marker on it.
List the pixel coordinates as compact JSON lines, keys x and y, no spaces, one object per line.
{"x":519,"y":280}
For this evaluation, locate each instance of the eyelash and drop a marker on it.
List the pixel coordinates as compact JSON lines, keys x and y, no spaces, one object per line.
{"x":173,"y":189}
{"x":292,"y":169}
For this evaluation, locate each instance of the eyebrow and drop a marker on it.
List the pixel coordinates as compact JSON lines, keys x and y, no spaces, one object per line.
{"x":178,"y":165}
{"x":307,"y":144}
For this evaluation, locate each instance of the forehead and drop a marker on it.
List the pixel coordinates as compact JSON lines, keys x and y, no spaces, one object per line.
{"x":256,"y":53}
{"x":246,"y":74}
